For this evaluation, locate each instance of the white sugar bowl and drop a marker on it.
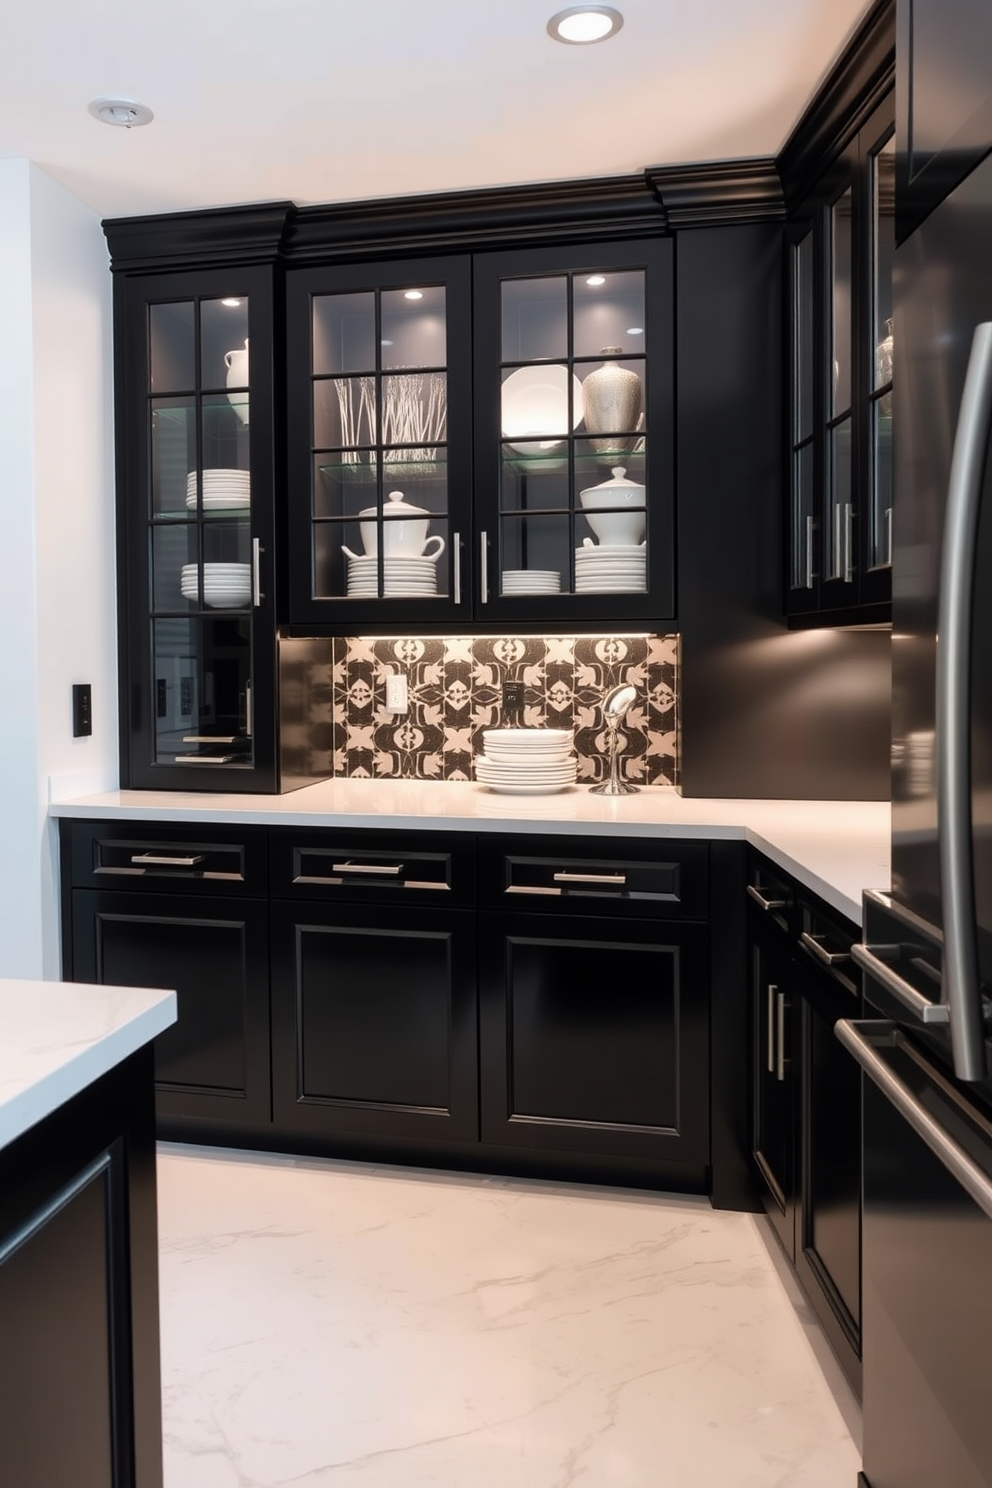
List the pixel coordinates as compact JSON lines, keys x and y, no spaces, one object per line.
{"x":619,"y":507}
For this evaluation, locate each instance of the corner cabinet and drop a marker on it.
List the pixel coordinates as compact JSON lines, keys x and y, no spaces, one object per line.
{"x":840,"y":245}
{"x":212,"y":696}
{"x":449,"y":419}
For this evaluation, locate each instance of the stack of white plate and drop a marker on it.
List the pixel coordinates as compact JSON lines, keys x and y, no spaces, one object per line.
{"x":526,"y":761}
{"x":223,"y":490}
{"x":614,"y":568}
{"x":226,"y":586}
{"x":400,"y":576}
{"x":531,"y":581}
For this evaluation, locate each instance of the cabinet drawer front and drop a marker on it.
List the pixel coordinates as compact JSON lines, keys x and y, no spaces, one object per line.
{"x":151,"y":856}
{"x":376,"y":867}
{"x":668,"y":881}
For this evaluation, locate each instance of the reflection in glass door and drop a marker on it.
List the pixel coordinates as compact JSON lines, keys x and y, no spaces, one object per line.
{"x":881,"y":358}
{"x":838,"y":534}
{"x":801,"y":559}
{"x":203,"y":563}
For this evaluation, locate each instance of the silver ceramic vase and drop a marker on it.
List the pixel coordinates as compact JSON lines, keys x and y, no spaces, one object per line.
{"x":612,"y":399}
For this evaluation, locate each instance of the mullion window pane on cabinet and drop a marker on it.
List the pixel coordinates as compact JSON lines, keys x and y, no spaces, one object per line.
{"x":803,"y":515}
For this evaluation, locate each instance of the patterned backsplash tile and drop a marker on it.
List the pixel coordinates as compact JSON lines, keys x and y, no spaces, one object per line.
{"x":455,"y":688}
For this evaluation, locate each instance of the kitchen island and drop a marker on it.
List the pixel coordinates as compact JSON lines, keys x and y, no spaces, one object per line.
{"x":80,"y":1398}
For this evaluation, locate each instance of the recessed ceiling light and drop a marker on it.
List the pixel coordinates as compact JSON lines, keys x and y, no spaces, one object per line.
{"x":581,"y":24}
{"x":231,"y":302}
{"x":635,"y":330}
{"x":595,"y":280}
{"x":124,"y":112}
{"x":413,"y":294}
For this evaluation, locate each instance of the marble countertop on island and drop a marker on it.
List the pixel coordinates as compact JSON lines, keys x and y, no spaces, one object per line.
{"x":56,"y":1038}
{"x":834,"y":848}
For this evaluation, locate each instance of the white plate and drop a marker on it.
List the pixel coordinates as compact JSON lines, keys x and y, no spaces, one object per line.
{"x":535,"y":403}
{"x":527,"y":736}
{"x":524,"y":790}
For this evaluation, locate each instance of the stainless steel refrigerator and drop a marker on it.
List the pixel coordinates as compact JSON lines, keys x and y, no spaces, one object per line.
{"x":924,"y":1041}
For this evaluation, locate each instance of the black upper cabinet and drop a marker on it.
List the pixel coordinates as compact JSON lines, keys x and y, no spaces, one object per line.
{"x":208,"y":687}
{"x":448,"y":420}
{"x":840,"y":243}
{"x":944,"y":51}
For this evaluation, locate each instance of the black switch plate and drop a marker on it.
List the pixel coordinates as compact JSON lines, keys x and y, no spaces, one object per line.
{"x":513,"y":699}
{"x":82,"y":709}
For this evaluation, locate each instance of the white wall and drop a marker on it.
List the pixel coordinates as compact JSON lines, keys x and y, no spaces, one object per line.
{"x":57,"y":605}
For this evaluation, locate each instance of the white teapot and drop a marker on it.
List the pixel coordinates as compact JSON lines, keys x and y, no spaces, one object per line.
{"x":404,"y":530}
{"x":236,"y":363}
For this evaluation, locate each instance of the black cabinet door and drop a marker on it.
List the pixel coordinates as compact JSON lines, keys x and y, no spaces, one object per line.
{"x":828,"y":1230}
{"x":213,"y":1063}
{"x":374,"y":1021}
{"x":944,"y":77}
{"x":773,"y":1079}
{"x":595,"y":1037}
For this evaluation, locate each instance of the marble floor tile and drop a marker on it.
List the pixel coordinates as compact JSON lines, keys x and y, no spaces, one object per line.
{"x":333,"y":1325}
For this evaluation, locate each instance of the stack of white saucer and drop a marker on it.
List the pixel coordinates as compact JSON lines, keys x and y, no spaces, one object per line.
{"x":400,"y":576}
{"x":614,"y":568}
{"x":226,"y":586}
{"x":531,"y":581}
{"x":526,"y":761}
{"x":223,"y":490}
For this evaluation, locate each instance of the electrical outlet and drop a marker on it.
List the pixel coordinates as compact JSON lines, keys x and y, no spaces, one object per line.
{"x":396,"y":693}
{"x":513,"y":697}
{"x":82,"y":710}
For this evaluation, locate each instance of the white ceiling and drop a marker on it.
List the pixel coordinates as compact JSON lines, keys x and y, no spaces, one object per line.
{"x":323,"y":100}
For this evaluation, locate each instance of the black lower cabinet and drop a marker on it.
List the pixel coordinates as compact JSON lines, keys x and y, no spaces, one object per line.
{"x":374,"y":1021}
{"x":80,"y":1395}
{"x":773,"y":1086}
{"x":595,"y":1036}
{"x":213,"y":1063}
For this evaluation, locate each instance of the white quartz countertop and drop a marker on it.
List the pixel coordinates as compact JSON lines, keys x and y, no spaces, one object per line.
{"x":834,"y":848}
{"x":58,"y":1037}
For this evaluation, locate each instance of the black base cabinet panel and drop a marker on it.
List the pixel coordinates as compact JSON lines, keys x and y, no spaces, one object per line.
{"x":374,"y":1021}
{"x":773,"y":1062}
{"x":595,"y":1036}
{"x":80,"y":1393}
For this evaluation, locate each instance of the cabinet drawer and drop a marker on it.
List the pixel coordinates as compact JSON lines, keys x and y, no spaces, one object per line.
{"x":652,"y":879}
{"x":770,"y":892}
{"x":158,"y":856}
{"x":380,"y":867}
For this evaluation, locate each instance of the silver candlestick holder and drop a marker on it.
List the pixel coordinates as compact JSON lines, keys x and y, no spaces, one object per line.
{"x":615,"y":706}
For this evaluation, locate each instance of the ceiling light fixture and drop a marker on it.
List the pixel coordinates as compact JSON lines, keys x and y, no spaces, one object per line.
{"x":126,"y":113}
{"x":595,"y":280}
{"x":581,"y":24}
{"x":413,"y":294}
{"x":635,"y":330}
{"x":231,"y":302}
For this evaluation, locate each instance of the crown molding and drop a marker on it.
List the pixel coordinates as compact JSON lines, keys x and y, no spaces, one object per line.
{"x":219,"y":236}
{"x":719,"y":192}
{"x":853,"y":89}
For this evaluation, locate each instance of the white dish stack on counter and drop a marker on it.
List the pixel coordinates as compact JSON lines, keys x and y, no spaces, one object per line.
{"x":526,"y":761}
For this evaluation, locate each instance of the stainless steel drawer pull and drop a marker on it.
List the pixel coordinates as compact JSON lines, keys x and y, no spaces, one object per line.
{"x":780,"y":1056}
{"x":154,"y":860}
{"x":256,"y":572}
{"x":772,"y":989}
{"x":918,"y":1005}
{"x":392,"y":869}
{"x":207,"y":759}
{"x":759,"y":898}
{"x":616,"y":879}
{"x":456,"y":562}
{"x":210,"y":739}
{"x":829,"y":958}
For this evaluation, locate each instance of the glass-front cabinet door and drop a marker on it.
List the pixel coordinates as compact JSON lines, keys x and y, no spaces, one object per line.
{"x":881,"y":163}
{"x":196,"y":497}
{"x":380,"y":410}
{"x":573,"y":466}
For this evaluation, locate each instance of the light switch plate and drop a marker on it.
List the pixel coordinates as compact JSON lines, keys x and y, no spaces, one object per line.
{"x":396,"y":693}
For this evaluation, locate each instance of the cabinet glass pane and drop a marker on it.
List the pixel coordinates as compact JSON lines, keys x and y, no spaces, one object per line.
{"x":535,"y":476}
{"x":534,"y":556}
{"x":534,"y":316}
{"x":344,"y":333}
{"x":608,"y":310}
{"x":883,"y":254}
{"x":803,"y":507}
{"x":840,"y":296}
{"x":802,"y":352}
{"x":224,"y":344}
{"x":181,"y":581}
{"x":611,"y":499}
{"x":415,"y":413}
{"x":540,"y":403}
{"x":414,"y":327}
{"x":225,"y":433}
{"x":881,"y":512}
{"x":172,"y":347}
{"x":173,"y":455}
{"x":612,"y":405}
{"x":345,"y":412}
{"x":839,"y":536}
{"x":344,"y":482}
{"x":362,"y":560}
{"x":201,"y":686}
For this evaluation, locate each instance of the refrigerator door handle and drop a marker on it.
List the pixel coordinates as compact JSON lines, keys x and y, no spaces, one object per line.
{"x":961,"y":991}
{"x":954,"y":1158}
{"x":921,"y":1007}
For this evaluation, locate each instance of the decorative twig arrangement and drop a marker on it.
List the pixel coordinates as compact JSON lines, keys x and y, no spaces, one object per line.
{"x":412,"y":416}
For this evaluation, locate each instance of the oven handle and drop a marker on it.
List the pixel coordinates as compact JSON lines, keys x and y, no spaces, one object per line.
{"x":855,"y":1038}
{"x":952,"y":718}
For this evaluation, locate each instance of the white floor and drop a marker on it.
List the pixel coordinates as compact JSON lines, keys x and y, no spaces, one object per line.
{"x":333,"y":1325}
